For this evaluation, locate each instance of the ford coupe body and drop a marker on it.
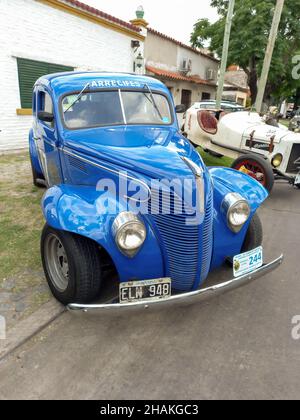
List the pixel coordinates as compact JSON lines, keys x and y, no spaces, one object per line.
{"x":127,"y":194}
{"x":265,"y":152}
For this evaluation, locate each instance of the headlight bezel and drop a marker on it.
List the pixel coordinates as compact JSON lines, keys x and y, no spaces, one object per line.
{"x":126,"y":221}
{"x":231,"y":203}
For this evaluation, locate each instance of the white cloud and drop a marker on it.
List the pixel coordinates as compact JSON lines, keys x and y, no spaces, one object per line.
{"x":174,"y":18}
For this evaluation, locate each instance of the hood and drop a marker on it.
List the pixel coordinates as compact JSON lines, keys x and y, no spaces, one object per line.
{"x":155,"y":152}
{"x":265,"y":132}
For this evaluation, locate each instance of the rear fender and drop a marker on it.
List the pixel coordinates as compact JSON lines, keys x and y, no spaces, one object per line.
{"x":82,"y":210}
{"x":225,"y":180}
{"x":34,"y":155}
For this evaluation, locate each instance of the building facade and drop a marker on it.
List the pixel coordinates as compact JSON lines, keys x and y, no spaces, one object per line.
{"x":236,"y":87}
{"x":48,"y":36}
{"x":190,"y":74}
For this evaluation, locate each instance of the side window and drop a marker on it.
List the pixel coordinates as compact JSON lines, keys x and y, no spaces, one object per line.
{"x":45,"y":104}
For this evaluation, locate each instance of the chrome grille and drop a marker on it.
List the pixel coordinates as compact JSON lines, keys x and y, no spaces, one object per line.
{"x":185,"y":245}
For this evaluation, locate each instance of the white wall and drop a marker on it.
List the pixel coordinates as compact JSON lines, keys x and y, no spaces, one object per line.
{"x":32,"y":30}
{"x":200,"y":63}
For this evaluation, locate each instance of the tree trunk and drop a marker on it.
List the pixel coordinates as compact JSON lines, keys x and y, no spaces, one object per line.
{"x":251,"y":72}
{"x":297,"y":98}
{"x":253,"y":85}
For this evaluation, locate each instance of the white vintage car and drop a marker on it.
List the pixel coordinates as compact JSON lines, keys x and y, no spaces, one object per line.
{"x":262,"y":151}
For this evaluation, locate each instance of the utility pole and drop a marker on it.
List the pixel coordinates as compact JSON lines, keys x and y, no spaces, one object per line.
{"x":225,"y":52}
{"x":269,"y":54}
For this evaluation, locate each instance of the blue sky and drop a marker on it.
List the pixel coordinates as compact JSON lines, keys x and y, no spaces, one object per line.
{"x":174,"y":18}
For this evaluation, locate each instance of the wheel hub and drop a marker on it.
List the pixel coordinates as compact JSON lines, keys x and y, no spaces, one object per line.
{"x":57,"y":263}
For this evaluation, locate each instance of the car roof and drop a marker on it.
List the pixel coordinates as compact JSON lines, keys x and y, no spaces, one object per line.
{"x":75,"y":81}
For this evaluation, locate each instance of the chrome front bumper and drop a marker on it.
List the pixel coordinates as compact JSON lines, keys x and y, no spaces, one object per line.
{"x":180,"y":299}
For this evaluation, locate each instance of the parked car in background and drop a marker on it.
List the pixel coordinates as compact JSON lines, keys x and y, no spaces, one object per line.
{"x":290,"y":113}
{"x":227,"y":106}
{"x":263,"y":151}
{"x":128,"y":194}
{"x":295,"y":122}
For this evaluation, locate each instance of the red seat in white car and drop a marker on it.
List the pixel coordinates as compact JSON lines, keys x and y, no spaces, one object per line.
{"x":207,"y":121}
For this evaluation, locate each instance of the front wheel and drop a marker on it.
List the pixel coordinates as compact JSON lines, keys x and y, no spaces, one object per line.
{"x":256,"y":167}
{"x":253,"y":239}
{"x":254,"y":236}
{"x":71,"y":265}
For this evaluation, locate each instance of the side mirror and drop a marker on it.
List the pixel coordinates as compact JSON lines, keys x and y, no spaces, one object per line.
{"x":45,"y":116}
{"x":180,"y":109}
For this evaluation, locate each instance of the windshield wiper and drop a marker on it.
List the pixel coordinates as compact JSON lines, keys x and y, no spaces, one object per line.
{"x":153,"y":101}
{"x":78,"y":97}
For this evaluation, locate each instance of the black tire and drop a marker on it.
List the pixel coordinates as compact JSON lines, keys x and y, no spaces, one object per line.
{"x":35,"y":176}
{"x":254,"y":236}
{"x":265,"y":166}
{"x":84,"y":276}
{"x":214,"y":154}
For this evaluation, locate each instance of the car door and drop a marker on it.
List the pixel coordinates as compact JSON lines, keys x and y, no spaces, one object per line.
{"x":47,"y":139}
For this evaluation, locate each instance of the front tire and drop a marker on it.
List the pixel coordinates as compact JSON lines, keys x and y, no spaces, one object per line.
{"x":72,"y":266}
{"x":256,"y":167}
{"x":254,"y":236}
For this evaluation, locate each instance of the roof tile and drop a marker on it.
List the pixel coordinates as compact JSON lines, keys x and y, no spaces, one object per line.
{"x":99,"y":13}
{"x":178,"y":76}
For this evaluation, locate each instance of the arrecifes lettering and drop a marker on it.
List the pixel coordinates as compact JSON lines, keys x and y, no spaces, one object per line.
{"x":114,"y":84}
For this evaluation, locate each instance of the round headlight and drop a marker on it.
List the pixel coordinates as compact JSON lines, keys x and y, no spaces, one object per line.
{"x":239,"y":214}
{"x":277,"y":160}
{"x":237,"y":210}
{"x":129,"y":232}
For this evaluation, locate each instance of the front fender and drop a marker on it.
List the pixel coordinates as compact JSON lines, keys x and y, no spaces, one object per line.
{"x":82,"y":210}
{"x":225,"y":180}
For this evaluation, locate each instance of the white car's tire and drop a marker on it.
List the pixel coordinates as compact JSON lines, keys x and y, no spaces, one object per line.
{"x":256,"y":167}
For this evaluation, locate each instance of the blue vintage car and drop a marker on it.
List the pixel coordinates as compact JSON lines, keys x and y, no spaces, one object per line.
{"x":129,"y":197}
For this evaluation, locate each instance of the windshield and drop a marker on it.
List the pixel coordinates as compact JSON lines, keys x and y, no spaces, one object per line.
{"x":225,"y":106}
{"x":98,"y":109}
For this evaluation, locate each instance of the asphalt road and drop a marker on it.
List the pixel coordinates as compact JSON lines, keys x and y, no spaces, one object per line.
{"x":236,"y":346}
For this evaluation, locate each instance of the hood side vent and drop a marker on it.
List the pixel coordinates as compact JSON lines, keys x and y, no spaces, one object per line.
{"x":78,"y":164}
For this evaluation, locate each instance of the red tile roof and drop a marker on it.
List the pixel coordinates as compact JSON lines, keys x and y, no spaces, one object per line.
{"x":178,"y":76}
{"x":181,"y":44}
{"x":99,"y":13}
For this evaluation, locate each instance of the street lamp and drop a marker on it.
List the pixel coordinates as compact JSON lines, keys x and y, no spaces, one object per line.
{"x":139,"y":61}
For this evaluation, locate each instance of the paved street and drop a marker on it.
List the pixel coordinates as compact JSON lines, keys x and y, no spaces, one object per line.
{"x":236,"y":346}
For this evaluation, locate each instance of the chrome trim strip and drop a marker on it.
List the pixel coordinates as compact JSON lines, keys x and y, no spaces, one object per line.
{"x":183,"y":299}
{"x":198,"y":173}
{"x":119,"y":173}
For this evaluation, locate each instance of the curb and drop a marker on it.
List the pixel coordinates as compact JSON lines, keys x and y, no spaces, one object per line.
{"x":29,"y":327}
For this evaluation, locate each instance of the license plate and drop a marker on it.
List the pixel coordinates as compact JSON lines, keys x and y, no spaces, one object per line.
{"x":297,"y":180}
{"x":247,"y":262}
{"x":145,"y":290}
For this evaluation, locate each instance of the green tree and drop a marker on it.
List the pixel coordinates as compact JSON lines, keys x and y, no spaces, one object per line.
{"x":249,"y":37}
